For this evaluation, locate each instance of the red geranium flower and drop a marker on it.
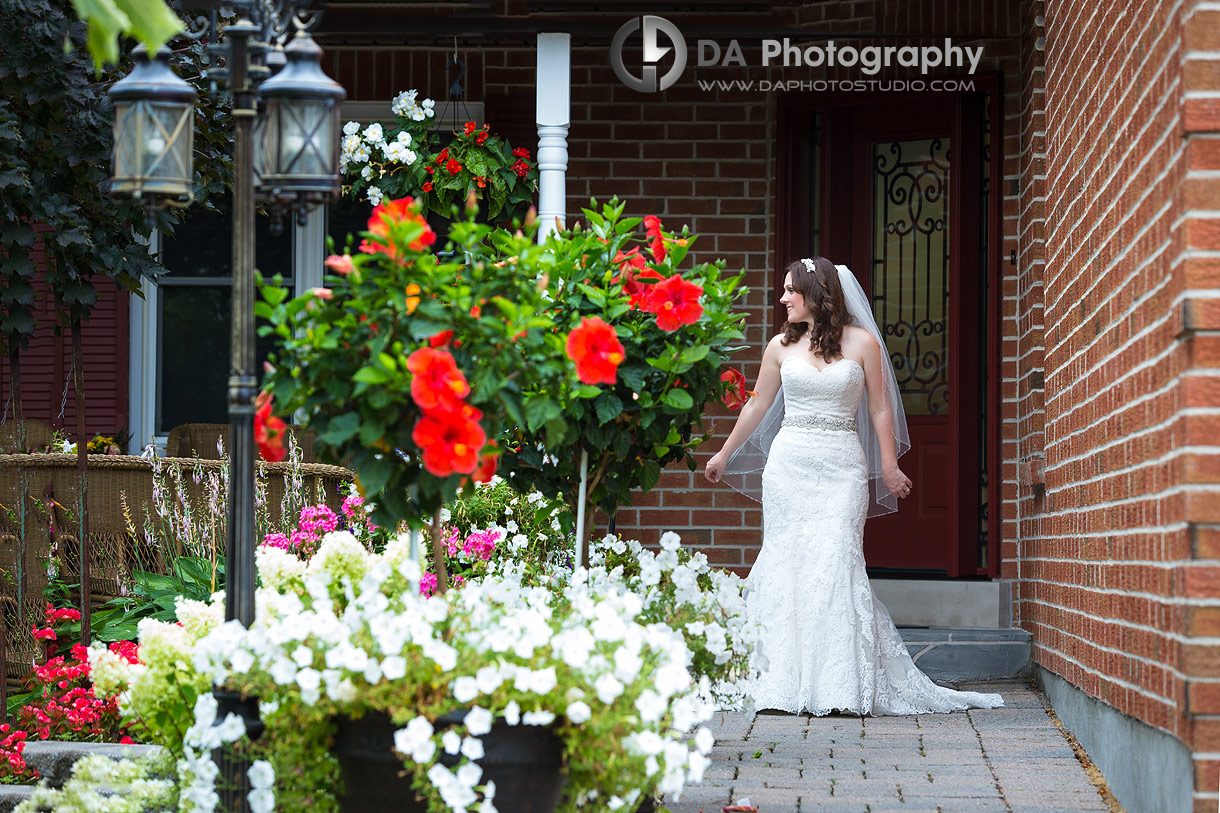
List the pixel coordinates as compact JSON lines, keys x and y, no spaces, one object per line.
{"x":595,"y":348}
{"x":736,"y":395}
{"x":675,"y":303}
{"x":388,"y":214}
{"x":453,"y":166}
{"x":450,"y":441}
{"x":437,"y":382}
{"x":268,"y":430}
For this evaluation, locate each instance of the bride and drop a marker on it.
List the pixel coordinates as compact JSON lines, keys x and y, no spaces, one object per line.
{"x":825,"y":430}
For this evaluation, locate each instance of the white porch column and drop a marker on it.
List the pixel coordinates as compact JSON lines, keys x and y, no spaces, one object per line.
{"x":552,"y":87}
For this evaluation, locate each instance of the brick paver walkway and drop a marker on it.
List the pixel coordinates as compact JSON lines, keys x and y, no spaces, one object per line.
{"x":1009,"y":759}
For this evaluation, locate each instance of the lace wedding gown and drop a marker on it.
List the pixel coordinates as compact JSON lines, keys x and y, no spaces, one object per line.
{"x":829,"y":643}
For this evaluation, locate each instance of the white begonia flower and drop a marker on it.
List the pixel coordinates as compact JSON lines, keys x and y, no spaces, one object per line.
{"x":351,"y":128}
{"x":415,"y":740}
{"x":478,"y":721}
{"x":512,"y":713}
{"x":538,"y":717}
{"x":452,"y":741}
{"x":366,"y":172}
{"x":579,"y":712}
{"x":472,"y":748}
{"x":373,"y":133}
{"x":375,"y":195}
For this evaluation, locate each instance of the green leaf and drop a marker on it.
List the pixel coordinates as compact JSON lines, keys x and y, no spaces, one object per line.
{"x":371,"y":375}
{"x":341,"y":429}
{"x":608,"y":407}
{"x":538,"y":410}
{"x":696,"y":354}
{"x":650,"y":474}
{"x":152,"y":23}
{"x":679,"y":399}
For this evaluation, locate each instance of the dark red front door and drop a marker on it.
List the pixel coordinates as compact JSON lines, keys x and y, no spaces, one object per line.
{"x":900,"y":183}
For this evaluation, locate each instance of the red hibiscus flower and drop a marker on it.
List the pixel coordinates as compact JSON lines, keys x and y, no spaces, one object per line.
{"x":453,"y":166}
{"x":440,"y":339}
{"x":656,"y":244}
{"x":595,"y":348}
{"x":450,"y":441}
{"x":736,"y":394}
{"x":652,"y":224}
{"x":675,"y":303}
{"x":636,"y":290}
{"x":437,"y":381}
{"x":385,"y":217}
{"x":340,"y":264}
{"x":268,"y":430}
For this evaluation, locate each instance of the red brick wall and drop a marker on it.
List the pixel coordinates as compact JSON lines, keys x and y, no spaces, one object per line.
{"x":1120,"y":559}
{"x":706,"y":159}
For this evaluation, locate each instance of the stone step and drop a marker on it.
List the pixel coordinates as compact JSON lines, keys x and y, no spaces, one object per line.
{"x":954,"y":654}
{"x":53,"y":759}
{"x":13,"y":795}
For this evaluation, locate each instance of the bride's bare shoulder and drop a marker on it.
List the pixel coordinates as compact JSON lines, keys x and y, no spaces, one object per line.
{"x":858,"y":337}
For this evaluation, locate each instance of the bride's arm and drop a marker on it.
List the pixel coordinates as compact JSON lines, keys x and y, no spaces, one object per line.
{"x":752,"y":413}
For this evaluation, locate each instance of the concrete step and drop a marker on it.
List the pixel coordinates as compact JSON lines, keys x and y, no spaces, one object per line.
{"x":954,"y":654}
{"x":53,"y":759}
{"x":13,"y":795}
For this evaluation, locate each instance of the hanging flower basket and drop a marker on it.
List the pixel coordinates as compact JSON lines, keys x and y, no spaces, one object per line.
{"x":403,"y":158}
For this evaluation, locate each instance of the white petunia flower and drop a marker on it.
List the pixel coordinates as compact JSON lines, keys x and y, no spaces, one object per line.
{"x":472,"y":748}
{"x":452,"y":741}
{"x":478,"y":721}
{"x":579,"y":712}
{"x":538,"y":717}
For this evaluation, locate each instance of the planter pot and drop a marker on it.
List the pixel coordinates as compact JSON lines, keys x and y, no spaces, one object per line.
{"x":524,"y":761}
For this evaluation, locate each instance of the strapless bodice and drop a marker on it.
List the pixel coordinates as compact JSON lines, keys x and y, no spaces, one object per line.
{"x":833,"y":392}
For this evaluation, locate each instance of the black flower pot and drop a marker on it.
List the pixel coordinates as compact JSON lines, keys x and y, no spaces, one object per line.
{"x":647,"y":805}
{"x":524,"y":761}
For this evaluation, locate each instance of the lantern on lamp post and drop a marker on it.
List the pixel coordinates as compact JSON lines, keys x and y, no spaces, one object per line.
{"x":153,"y":132}
{"x":298,"y":134}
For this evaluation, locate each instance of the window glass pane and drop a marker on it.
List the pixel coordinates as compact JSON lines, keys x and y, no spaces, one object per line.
{"x":911,"y":267}
{"x":202,"y":246}
{"x":193,"y":355}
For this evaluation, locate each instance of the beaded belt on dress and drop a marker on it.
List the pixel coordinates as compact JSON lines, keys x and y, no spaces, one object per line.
{"x":820,"y":422}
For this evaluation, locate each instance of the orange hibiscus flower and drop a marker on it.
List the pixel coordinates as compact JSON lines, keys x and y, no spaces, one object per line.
{"x":385,"y":217}
{"x":736,"y":395}
{"x":450,"y":441}
{"x":268,"y":430}
{"x":437,"y":381}
{"x":675,"y":303}
{"x":595,"y":348}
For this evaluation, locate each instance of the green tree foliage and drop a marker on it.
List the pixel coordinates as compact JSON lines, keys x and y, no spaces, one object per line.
{"x":56,"y":137}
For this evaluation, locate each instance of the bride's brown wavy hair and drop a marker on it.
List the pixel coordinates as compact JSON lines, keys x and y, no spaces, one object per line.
{"x":824,"y":297}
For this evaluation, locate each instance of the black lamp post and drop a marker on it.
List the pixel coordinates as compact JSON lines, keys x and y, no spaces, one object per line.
{"x":297,"y":168}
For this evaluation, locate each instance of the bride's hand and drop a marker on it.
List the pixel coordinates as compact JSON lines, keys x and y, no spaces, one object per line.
{"x":715,"y":468}
{"x":897,"y":482}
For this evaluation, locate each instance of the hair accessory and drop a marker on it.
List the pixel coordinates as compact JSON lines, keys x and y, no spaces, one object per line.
{"x":808,"y":264}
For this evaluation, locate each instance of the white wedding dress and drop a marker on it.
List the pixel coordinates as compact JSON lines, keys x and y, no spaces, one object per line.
{"x":828,"y":641}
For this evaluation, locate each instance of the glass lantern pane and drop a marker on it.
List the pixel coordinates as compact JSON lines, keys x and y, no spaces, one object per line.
{"x":307,"y":138}
{"x":127,"y":140}
{"x":172,"y":136}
